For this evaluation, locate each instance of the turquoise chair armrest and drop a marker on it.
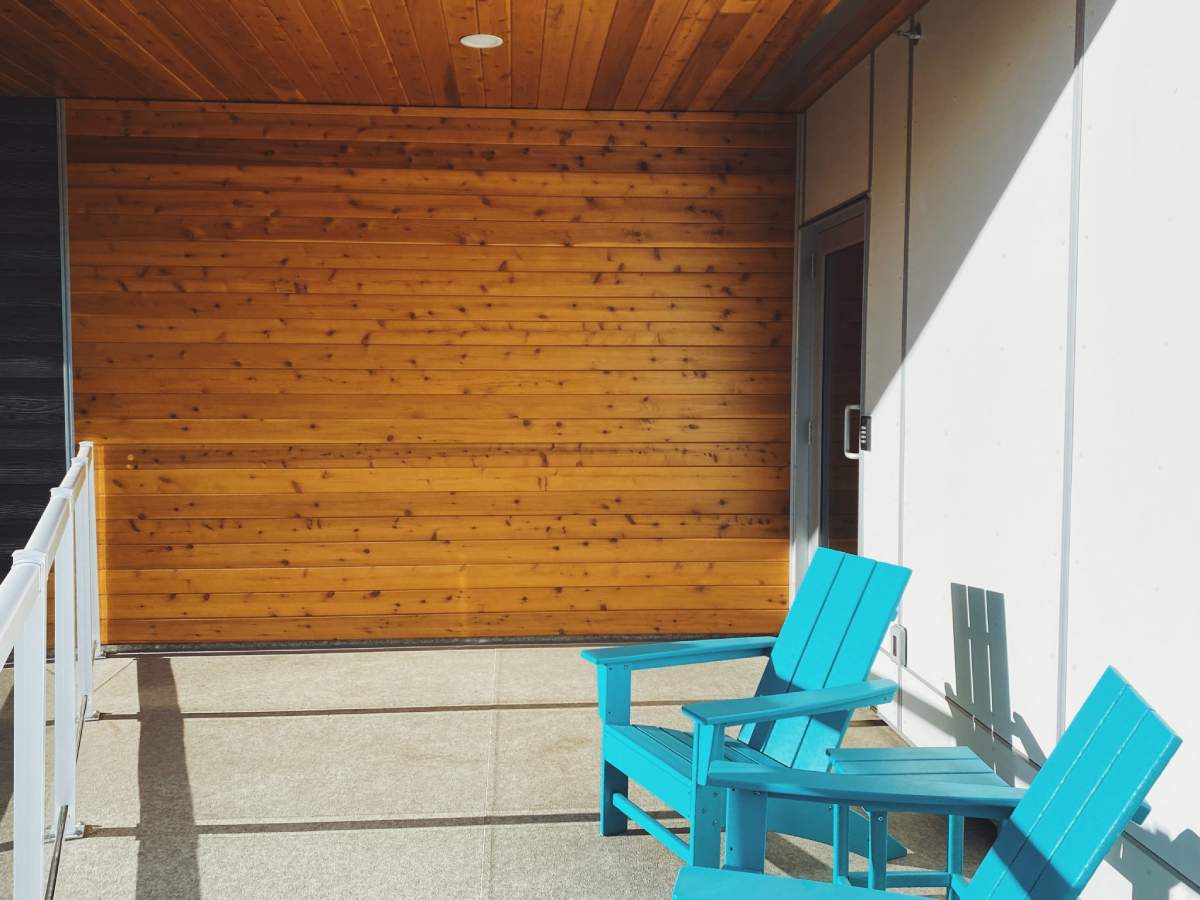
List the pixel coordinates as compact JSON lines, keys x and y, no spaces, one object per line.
{"x":679,"y":653}
{"x":890,"y":792}
{"x":772,"y":707}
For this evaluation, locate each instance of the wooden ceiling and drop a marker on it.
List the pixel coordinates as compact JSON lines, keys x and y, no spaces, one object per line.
{"x":558,"y":54}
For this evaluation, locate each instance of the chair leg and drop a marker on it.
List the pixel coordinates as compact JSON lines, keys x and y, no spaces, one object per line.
{"x":841,"y":844}
{"x":612,"y":781}
{"x":746,"y":831}
{"x":814,"y":822}
{"x":708,"y":820}
{"x":955,"y":833}
{"x":877,"y":849}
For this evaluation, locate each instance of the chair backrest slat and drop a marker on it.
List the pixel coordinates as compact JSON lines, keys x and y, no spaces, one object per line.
{"x":1085,"y":794}
{"x":832,"y":633}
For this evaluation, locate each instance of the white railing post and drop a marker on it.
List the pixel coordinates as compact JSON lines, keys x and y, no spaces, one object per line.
{"x":66,"y":695}
{"x":89,"y":578}
{"x":29,"y":737}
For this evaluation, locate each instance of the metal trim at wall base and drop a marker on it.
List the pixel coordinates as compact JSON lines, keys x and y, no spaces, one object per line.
{"x":465,"y":643}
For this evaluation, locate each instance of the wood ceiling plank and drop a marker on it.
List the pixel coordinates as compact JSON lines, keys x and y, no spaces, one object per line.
{"x":223,"y":27}
{"x":722,"y":31}
{"x":660,"y":25}
{"x":159,"y":45}
{"x":851,"y":47}
{"x":462,"y":19}
{"x":225,"y":80}
{"x":595,"y":23}
{"x":259,"y":20}
{"x":39,"y":70}
{"x":154,"y":77}
{"x":630,"y":20}
{"x":758,"y":27}
{"x":306,"y":41}
{"x":558,"y":43}
{"x":70,"y":46}
{"x":373,"y":49}
{"x":11,"y":85}
{"x":331,"y":25}
{"x":197,"y":34}
{"x":430,"y":28}
{"x":528,"y":29}
{"x":795,"y":26}
{"x":397,"y":30}
{"x":686,"y":37}
{"x":495,"y":18}
{"x":32,"y":71}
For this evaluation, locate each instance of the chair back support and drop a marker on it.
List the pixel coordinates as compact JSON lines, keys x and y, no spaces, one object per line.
{"x":830,"y":637}
{"x":1111,"y":754}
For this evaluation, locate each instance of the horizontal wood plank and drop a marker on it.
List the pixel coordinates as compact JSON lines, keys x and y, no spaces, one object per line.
{"x":402,"y":430}
{"x":220,"y":579}
{"x":466,"y":551}
{"x":458,"y":601}
{"x":464,"y":309}
{"x":372,"y":357}
{"x":216,"y":531}
{"x":458,"y":455}
{"x":407,"y":503}
{"x":111,"y":377}
{"x":349,"y":406}
{"x":448,"y":626}
{"x":501,"y":478}
{"x":399,"y":332}
{"x":206,"y":176}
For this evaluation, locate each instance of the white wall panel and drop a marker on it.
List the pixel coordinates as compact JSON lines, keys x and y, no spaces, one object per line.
{"x":837,"y":143}
{"x":1134,"y":599}
{"x":985,"y":367}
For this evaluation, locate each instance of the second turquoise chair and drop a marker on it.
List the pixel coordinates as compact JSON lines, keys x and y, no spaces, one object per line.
{"x":1053,"y":835}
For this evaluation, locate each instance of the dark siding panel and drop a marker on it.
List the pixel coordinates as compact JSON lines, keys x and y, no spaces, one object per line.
{"x":32,"y":415}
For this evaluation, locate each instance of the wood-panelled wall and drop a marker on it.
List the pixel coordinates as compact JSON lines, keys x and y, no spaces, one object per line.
{"x":361,"y":373}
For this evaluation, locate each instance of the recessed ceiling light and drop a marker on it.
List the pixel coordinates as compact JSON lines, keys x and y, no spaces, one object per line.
{"x":481,"y":41}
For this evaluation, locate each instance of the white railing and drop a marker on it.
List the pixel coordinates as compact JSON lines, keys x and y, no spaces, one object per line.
{"x":64,"y":542}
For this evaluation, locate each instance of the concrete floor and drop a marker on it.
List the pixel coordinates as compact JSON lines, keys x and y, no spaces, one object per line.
{"x":464,"y":773}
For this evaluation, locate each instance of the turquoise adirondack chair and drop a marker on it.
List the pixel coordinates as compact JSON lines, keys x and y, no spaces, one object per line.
{"x":809,"y":689}
{"x":1053,"y":835}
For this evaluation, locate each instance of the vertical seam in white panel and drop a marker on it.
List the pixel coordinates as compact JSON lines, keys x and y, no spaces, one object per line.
{"x":908,"y":143}
{"x":901,"y":448}
{"x":1064,"y":586}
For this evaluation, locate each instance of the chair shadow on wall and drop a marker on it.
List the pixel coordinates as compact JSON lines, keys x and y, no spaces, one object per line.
{"x":982,"y":691}
{"x":1152,"y":882}
{"x":981,"y":682}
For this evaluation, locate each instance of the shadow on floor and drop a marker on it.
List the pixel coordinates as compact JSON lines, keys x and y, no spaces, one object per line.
{"x":168,"y":840}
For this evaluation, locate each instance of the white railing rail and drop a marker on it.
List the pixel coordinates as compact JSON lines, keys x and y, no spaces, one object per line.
{"x":63,"y":542}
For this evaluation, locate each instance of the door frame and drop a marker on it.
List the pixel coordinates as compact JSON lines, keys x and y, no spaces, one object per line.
{"x":808,"y":362}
